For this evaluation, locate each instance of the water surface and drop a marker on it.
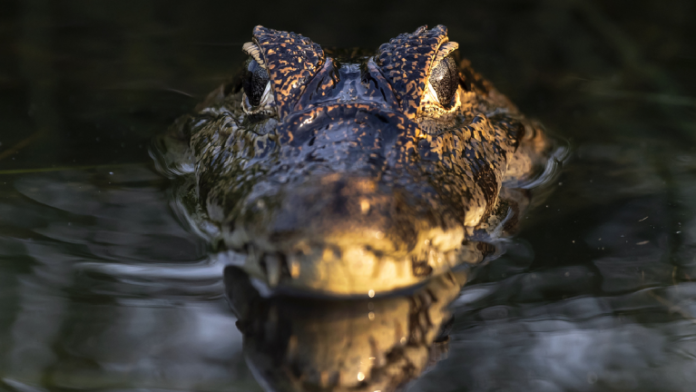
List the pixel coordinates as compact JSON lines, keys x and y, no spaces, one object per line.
{"x":104,"y":287}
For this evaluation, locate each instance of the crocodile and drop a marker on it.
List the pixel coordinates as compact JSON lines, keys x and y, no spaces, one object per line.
{"x":350,"y":173}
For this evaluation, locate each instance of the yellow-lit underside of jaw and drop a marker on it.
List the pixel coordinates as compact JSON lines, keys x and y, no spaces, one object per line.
{"x":345,"y":268}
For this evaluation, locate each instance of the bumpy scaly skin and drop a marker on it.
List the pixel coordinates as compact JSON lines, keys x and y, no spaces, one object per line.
{"x":292,"y":61}
{"x":357,"y":180}
{"x":406,"y":62}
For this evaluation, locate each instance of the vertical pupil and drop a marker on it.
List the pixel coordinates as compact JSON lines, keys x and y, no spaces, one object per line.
{"x":444,"y":79}
{"x":255,"y":80}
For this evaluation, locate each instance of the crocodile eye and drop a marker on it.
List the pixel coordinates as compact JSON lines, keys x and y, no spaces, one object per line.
{"x":256,"y":83}
{"x":444,"y":80}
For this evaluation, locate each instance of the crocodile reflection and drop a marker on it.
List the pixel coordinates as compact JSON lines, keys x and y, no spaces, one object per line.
{"x":349,"y":175}
{"x":300,"y":344}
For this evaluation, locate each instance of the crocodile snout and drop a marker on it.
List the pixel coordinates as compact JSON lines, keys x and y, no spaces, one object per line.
{"x":348,"y":235}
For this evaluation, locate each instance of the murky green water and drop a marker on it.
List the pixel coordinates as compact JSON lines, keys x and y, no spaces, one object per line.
{"x":102,"y":287}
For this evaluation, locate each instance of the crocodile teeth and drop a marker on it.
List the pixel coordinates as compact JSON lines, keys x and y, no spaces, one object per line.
{"x":294,"y":266}
{"x":272,"y":269}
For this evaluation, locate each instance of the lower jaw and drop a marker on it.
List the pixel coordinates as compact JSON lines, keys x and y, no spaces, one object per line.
{"x":357,"y":272}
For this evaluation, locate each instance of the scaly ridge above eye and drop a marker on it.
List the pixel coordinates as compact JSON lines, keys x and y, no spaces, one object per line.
{"x":253,"y":50}
{"x":291,"y":60}
{"x":405,"y":62}
{"x":443,"y":51}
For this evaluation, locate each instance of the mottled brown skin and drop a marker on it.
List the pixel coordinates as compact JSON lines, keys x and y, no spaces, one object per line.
{"x":352,"y":178}
{"x":405,"y":62}
{"x":292,"y":61}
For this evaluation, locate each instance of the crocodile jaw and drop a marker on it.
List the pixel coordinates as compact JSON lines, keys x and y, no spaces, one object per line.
{"x":345,"y":268}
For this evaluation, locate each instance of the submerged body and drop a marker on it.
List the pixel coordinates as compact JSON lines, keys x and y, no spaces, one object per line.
{"x":355,"y":175}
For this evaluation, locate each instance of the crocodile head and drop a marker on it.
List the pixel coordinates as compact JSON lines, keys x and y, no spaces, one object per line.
{"x":353,"y":174}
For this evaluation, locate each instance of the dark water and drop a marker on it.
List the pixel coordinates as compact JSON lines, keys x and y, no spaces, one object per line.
{"x":102,"y":287}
